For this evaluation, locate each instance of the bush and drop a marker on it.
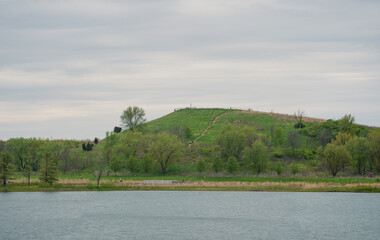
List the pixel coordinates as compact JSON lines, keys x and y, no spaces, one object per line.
{"x":217,"y":164}
{"x":294,"y":168}
{"x":201,"y":165}
{"x":277,"y":167}
{"x":232,"y":164}
{"x":278,"y":154}
{"x":299,"y":125}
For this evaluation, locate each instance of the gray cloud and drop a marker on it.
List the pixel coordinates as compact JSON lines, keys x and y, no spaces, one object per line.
{"x":68,"y":68}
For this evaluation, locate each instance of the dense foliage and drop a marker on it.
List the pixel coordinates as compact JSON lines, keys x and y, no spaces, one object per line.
{"x":238,"y":143}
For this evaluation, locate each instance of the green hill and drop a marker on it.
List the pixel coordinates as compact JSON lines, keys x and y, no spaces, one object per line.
{"x":199,"y":120}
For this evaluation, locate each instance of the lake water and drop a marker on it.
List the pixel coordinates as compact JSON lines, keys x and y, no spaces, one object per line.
{"x":189,"y":215}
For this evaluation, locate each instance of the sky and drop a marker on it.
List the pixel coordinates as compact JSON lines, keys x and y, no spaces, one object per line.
{"x":69,"y":68}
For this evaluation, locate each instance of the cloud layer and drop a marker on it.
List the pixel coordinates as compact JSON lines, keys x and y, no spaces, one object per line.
{"x":69,"y":68}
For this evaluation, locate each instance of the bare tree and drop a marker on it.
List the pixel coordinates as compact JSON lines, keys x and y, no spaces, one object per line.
{"x":299,"y":115}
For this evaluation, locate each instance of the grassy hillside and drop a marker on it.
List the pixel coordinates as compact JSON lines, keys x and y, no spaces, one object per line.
{"x":196,"y":119}
{"x":199,"y":119}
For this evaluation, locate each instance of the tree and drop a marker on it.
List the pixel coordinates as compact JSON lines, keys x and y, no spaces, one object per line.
{"x":346,"y":123}
{"x":299,"y":115}
{"x":132,"y":163}
{"x":334,"y":158}
{"x":49,"y":170}
{"x":293,"y":139}
{"x":231,"y":142}
{"x":117,"y":129}
{"x":96,"y":140}
{"x":129,"y":144}
{"x":165,"y":150}
{"x":147,"y":163}
{"x":20,"y":147}
{"x":257,"y":156}
{"x":374,"y":145}
{"x":6,"y":166}
{"x":217,"y":164}
{"x":102,"y":162}
{"x":324,"y":137}
{"x":116,"y":164}
{"x":360,"y":153}
{"x":278,"y":135}
{"x":232,"y":164}
{"x":89,"y":146}
{"x":132,"y":117}
{"x":201,"y":166}
{"x":341,"y":138}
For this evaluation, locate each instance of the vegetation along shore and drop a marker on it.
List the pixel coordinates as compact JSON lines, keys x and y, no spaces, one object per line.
{"x":209,"y":149}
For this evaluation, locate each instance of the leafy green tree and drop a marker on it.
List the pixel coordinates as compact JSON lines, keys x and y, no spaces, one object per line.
{"x":132,"y":163}
{"x":6,"y":166}
{"x":49,"y":169}
{"x":293,"y":139}
{"x":374,"y":145}
{"x":232,"y":164}
{"x":334,"y":158}
{"x":102,"y":161}
{"x":231,"y":142}
{"x":346,"y":123}
{"x":147,"y":163}
{"x":341,"y":138}
{"x":20,"y":148}
{"x":166,"y":150}
{"x":324,"y":137}
{"x":132,"y":117}
{"x":257,"y":156}
{"x":278,"y":135}
{"x":129,"y":144}
{"x":201,"y":166}
{"x":360,"y":153}
{"x":116,"y":164}
{"x":96,"y":140}
{"x":217,"y":164}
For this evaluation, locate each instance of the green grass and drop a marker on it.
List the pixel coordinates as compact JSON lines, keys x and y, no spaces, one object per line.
{"x":140,"y":177}
{"x":196,"y":119}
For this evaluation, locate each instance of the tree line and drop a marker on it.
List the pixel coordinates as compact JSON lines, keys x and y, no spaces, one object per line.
{"x":332,"y":146}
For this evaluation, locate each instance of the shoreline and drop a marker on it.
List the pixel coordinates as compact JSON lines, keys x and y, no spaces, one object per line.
{"x":268,"y":186}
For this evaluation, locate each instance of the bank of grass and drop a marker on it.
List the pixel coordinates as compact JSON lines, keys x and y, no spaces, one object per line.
{"x":87,"y":182}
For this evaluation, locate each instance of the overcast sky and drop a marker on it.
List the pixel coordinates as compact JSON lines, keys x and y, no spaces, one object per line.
{"x":69,"y":68}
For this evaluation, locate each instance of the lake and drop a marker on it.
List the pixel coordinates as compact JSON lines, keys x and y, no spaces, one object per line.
{"x":189,"y":215}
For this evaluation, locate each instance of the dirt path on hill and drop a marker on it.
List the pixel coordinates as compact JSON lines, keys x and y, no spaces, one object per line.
{"x":204,"y":131}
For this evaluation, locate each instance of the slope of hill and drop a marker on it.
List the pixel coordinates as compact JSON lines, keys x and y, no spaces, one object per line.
{"x":202,"y":121}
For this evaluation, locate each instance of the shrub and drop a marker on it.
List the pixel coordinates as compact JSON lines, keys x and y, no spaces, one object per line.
{"x":232,"y":164}
{"x":201,"y":165}
{"x":294,"y":168}
{"x":217,"y":164}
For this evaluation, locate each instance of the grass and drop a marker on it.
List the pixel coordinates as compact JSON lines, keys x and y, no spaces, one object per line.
{"x":86,"y":182}
{"x":196,"y":119}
